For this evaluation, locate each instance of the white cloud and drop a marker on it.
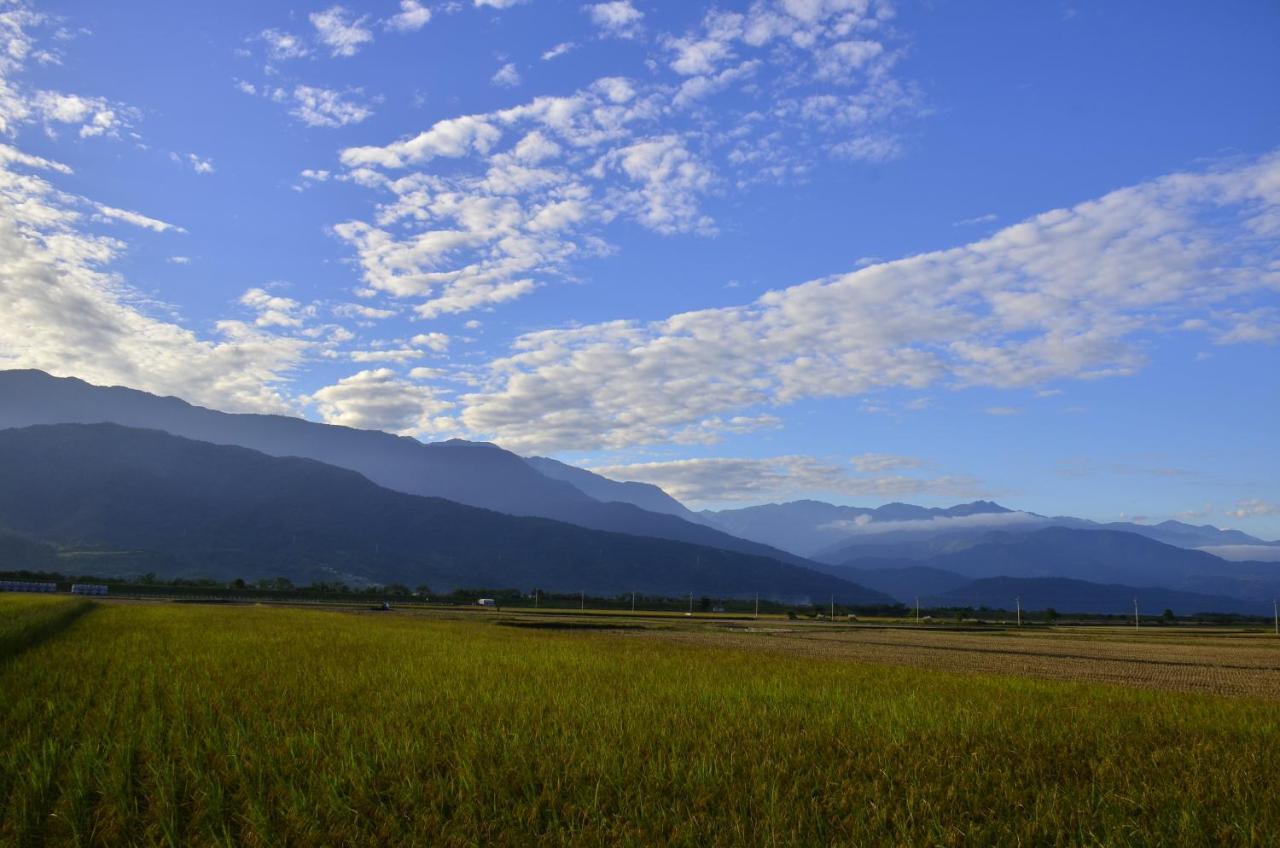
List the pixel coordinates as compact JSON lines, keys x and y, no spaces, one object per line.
{"x":558,"y":50}
{"x":61,"y":312}
{"x":697,"y":55}
{"x":273,"y":310}
{"x":341,"y":32}
{"x":672,"y":179}
{"x":1248,"y":327}
{"x":508,"y":76}
{"x":872,"y":463}
{"x":696,"y":88}
{"x":1253,"y":508}
{"x":536,"y":187}
{"x":378,"y":400}
{"x":95,"y":115}
{"x":542,"y":177}
{"x":136,"y":219}
{"x":721,"y":479}
{"x":198,"y":164}
{"x":322,"y":107}
{"x":14,"y":156}
{"x":413,"y":17}
{"x":452,"y":138}
{"x":63,"y":309}
{"x":938,"y":523}
{"x":399,"y":355}
{"x":869,"y":148}
{"x":1003,"y":410}
{"x":438,"y":342}
{"x":357,"y":310}
{"x":283,"y":46}
{"x":1062,"y":295}
{"x":498,"y":4}
{"x":618,"y":18}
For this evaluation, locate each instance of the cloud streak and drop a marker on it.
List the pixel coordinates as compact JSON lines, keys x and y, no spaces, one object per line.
{"x":721,"y":479}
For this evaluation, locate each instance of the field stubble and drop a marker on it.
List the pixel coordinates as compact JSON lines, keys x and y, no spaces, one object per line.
{"x":1219,"y":663}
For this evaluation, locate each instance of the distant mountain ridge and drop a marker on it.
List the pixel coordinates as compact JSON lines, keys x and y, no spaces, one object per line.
{"x":643,"y":495}
{"x":806,"y":527}
{"x":836,"y":534}
{"x":472,"y":473}
{"x":899,"y":549}
{"x":1096,"y":556}
{"x":149,"y":501}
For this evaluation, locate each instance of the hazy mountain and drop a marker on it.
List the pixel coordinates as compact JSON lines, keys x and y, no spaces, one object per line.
{"x":155,"y":502}
{"x":1100,"y":556}
{"x":1186,"y":535}
{"x":644,"y":495}
{"x":472,"y":473}
{"x":807,"y":527}
{"x":917,"y":539}
{"x":1267,"y":552}
{"x":1065,"y":595}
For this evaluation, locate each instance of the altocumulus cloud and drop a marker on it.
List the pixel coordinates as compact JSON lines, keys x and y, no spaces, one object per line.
{"x":377,"y":399}
{"x":62,"y":311}
{"x":539,"y":184}
{"x":1063,"y":295}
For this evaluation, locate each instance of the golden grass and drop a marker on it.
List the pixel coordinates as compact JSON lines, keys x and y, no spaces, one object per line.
{"x":190,"y":725}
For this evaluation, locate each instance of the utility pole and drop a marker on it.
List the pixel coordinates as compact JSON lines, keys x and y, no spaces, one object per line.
{"x":1275,"y":611}
{"x":582,"y":601}
{"x":833,"y":607}
{"x":917,"y":609}
{"x":758,"y":607}
{"x":690,"y":603}
{"x":535,"y":598}
{"x":1018,"y":601}
{"x":633,"y":600}
{"x":1135,"y":612}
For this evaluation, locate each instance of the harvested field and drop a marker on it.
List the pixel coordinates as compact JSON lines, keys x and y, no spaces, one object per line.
{"x":1221,"y":663}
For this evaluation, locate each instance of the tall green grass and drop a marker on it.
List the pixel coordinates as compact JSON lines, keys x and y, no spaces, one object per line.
{"x":193,"y":726}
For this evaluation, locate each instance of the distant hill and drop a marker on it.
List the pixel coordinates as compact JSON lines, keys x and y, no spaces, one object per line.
{"x":1065,"y":595}
{"x":644,"y":495}
{"x":1177,"y":533}
{"x":472,"y":473}
{"x":806,"y":527}
{"x":179,"y":507}
{"x":917,"y":540}
{"x":1100,"y":556}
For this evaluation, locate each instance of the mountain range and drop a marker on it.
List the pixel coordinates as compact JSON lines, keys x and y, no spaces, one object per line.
{"x":126,"y":499}
{"x":181,"y":490}
{"x":472,"y":473}
{"x":837,"y":534}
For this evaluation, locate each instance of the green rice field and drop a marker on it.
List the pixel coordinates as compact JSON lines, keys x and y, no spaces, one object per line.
{"x":186,"y":724}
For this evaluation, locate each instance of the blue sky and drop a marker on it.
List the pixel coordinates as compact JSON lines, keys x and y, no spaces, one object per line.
{"x":754,"y":251}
